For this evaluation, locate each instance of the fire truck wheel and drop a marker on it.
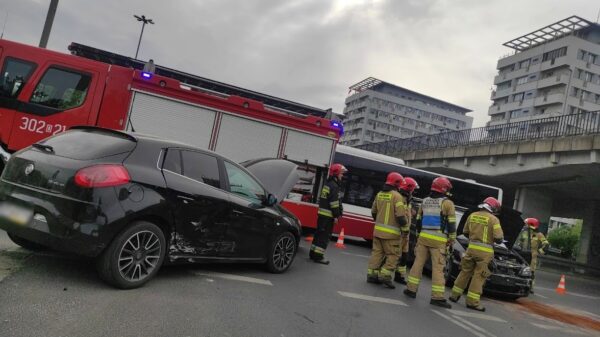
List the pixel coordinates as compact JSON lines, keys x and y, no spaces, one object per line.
{"x":133,"y":257}
{"x":282,"y":253}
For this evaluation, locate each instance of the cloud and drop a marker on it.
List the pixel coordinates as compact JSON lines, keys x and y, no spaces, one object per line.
{"x":308,"y":51}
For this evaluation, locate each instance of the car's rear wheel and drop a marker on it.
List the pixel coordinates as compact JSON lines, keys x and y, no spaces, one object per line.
{"x":134,"y":256}
{"x":282,"y":253}
{"x":30,"y":245}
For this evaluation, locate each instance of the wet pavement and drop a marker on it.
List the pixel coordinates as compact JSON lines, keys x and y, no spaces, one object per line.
{"x":50,"y":294}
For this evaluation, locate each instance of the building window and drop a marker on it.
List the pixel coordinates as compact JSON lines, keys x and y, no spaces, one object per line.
{"x":521,"y":80}
{"x":556,"y":53}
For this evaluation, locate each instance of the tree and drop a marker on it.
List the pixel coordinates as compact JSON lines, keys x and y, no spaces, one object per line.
{"x":566,"y":239}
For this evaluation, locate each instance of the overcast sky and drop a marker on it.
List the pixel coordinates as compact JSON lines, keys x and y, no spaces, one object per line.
{"x":308,"y":51}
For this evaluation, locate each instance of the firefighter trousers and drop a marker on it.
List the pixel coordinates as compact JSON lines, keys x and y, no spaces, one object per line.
{"x":474,"y":267}
{"x":321,"y":238}
{"x":403,"y":255}
{"x":534,"y":260}
{"x":423,"y":251}
{"x":386,"y":252}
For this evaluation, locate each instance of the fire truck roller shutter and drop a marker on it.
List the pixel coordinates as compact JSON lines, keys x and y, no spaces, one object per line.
{"x":302,"y":146}
{"x":171,"y":119}
{"x":243,"y":139}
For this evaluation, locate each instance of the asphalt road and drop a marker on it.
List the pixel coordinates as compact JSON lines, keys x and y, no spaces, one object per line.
{"x":49,"y":294}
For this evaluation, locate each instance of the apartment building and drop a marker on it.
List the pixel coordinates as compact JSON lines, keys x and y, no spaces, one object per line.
{"x":377,"y":111}
{"x":552,"y":71}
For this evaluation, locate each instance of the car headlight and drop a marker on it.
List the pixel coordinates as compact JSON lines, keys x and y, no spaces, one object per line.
{"x":526,"y":272}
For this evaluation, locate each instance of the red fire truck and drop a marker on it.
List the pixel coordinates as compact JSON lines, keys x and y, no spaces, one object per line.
{"x":44,"y":92}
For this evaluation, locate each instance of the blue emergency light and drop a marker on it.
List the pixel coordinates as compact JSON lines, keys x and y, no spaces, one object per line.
{"x":146,"y":75}
{"x":338,"y":125}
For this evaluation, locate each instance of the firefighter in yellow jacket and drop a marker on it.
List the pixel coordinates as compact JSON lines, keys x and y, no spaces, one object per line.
{"x":406,"y":189}
{"x":483,"y":229}
{"x":436,"y":222}
{"x":538,"y":244}
{"x":389,"y":213}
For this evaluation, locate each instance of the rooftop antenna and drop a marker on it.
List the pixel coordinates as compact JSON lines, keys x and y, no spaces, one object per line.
{"x":4,"y":26}
{"x":598,"y":17}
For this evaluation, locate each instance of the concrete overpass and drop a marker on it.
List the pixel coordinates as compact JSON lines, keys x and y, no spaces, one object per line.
{"x":547,"y":167}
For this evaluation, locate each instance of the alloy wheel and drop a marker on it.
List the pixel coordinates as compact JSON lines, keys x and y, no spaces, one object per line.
{"x":283,"y":253}
{"x":139,"y":256}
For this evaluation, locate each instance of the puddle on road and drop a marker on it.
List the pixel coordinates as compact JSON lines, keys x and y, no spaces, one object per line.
{"x":554,"y":313}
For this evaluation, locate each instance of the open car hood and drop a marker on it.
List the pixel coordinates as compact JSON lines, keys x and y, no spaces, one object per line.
{"x":510,"y":220}
{"x":278,"y":176}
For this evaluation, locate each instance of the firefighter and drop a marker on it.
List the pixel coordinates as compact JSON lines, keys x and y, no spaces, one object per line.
{"x":483,"y":229}
{"x":406,"y":189}
{"x":330,"y":210}
{"x":538,"y":245}
{"x":389,"y":213}
{"x":436,"y":224}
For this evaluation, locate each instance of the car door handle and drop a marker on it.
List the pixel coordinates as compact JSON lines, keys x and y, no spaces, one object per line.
{"x":237,"y":213}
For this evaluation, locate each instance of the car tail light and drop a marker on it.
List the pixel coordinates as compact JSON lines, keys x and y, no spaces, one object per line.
{"x":102,"y":176}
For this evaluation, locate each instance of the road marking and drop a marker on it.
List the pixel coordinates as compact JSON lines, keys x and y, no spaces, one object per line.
{"x":476,"y":315}
{"x":359,"y":255}
{"x":478,"y":328}
{"x":235,"y":278}
{"x":469,"y":329}
{"x":573,"y":294}
{"x":538,"y":295}
{"x":372,"y":298}
{"x":570,"y":330}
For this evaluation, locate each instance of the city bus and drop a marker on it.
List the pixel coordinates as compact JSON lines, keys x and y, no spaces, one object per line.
{"x":365,"y":178}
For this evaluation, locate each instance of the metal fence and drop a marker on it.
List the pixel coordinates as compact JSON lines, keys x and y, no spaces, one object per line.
{"x":567,"y":125}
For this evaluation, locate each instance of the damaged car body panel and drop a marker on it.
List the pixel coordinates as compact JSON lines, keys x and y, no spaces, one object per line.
{"x":83,"y":190}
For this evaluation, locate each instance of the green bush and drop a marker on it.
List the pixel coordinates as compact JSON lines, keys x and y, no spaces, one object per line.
{"x":566,"y":239}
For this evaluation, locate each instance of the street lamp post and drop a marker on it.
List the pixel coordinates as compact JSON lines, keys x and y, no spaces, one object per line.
{"x":144,"y":21}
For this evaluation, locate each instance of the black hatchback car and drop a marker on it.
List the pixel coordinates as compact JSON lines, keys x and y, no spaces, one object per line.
{"x":135,"y":202}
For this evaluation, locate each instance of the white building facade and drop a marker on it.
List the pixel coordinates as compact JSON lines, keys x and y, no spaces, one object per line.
{"x":377,"y":111}
{"x":553,"y":71}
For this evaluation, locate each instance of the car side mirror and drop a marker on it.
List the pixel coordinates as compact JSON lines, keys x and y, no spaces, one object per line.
{"x":270,"y":200}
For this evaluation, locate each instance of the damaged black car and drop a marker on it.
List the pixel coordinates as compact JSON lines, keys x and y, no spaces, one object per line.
{"x":511,"y":275}
{"x":136,"y":202}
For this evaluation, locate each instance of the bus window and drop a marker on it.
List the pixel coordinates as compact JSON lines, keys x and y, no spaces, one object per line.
{"x":15,"y":74}
{"x":61,"y":89}
{"x":303,"y":190}
{"x":359,"y":187}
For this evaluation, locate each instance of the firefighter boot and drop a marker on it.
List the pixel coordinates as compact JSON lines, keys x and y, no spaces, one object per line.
{"x":454,"y":299}
{"x":476,"y":307}
{"x":373,"y":276}
{"x":385,"y":277}
{"x":321,"y":261}
{"x":399,"y":278}
{"x":440,"y":303}
{"x":410,"y":294}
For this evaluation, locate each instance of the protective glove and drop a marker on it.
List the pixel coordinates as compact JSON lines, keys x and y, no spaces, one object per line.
{"x":541,"y":251}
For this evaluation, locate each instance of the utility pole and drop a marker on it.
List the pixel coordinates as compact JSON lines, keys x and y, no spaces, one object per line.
{"x":48,"y":24}
{"x":144,"y":21}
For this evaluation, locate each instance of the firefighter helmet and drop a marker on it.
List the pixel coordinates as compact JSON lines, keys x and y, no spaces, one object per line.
{"x":409,"y":185}
{"x":336,"y":169}
{"x":394,"y":179}
{"x":491,"y":204}
{"x":533,"y":223}
{"x":441,"y":184}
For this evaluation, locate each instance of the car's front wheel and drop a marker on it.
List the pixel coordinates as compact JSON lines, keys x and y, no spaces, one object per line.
{"x":134,"y":256}
{"x":282,"y":253}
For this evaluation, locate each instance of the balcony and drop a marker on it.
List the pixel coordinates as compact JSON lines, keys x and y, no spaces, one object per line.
{"x":554,"y":63}
{"x":553,"y":80}
{"x":558,"y":98}
{"x":501,"y":93}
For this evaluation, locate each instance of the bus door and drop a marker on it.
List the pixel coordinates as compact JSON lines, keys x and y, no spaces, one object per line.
{"x":47,"y":98}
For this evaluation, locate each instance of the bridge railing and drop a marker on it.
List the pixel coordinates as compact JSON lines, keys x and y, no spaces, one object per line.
{"x":550,"y":127}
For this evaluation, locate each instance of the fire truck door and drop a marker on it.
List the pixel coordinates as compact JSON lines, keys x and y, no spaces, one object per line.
{"x":56,"y":98}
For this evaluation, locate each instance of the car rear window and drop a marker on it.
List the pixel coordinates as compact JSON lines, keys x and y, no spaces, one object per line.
{"x":89,"y":144}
